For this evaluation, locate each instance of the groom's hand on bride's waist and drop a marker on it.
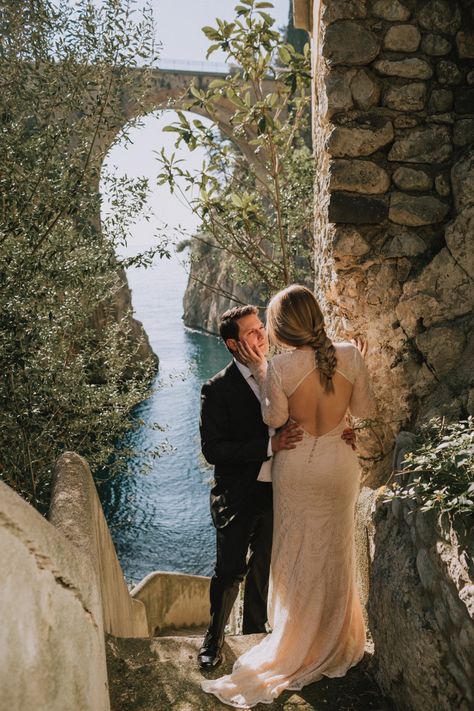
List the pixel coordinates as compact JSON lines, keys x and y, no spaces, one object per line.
{"x":349,"y":437}
{"x":287,"y":437}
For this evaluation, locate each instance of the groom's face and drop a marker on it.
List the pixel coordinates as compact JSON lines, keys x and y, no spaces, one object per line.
{"x":252,"y":332}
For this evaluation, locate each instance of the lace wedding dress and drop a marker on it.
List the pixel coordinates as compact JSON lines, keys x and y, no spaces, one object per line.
{"x":314,"y":607}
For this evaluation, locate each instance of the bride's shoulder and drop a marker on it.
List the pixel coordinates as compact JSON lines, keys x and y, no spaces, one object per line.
{"x":345,"y":354}
{"x":344,"y":347}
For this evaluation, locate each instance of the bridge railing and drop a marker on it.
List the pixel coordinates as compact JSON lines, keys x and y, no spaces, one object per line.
{"x":184,"y":65}
{"x":192,"y":67}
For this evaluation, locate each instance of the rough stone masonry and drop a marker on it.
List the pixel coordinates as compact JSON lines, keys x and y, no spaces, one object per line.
{"x":393,"y":137}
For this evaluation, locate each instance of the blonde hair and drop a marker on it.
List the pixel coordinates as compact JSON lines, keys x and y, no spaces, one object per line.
{"x":295,"y":319}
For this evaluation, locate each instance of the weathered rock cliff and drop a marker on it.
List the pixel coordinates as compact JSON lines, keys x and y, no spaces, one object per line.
{"x":422,"y":578}
{"x":212,"y":289}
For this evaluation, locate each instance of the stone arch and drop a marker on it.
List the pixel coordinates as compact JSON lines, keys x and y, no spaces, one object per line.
{"x":160,"y":89}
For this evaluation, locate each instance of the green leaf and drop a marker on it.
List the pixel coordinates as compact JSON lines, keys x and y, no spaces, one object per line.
{"x":284,"y":55}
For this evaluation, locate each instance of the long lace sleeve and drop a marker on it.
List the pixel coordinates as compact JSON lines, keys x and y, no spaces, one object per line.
{"x":362,"y":404}
{"x":273,"y":400}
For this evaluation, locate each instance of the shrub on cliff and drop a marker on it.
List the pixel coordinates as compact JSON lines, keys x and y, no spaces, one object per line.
{"x":63,"y":354}
{"x":253,"y":195}
{"x":439,"y":473}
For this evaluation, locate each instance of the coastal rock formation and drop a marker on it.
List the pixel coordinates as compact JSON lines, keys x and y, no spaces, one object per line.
{"x":210,"y":289}
{"x":422,"y":577}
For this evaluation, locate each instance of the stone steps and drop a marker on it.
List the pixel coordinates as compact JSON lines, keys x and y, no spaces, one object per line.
{"x":161,"y":674}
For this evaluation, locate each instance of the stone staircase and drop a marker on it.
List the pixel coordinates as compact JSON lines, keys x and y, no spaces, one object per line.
{"x":161,"y":674}
{"x":78,"y":639}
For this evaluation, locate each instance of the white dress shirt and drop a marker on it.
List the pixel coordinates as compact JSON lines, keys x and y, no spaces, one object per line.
{"x":265,"y":473}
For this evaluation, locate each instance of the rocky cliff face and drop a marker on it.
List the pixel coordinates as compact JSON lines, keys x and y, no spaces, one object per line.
{"x":120,"y":307}
{"x":212,"y":289}
{"x":422,"y":578}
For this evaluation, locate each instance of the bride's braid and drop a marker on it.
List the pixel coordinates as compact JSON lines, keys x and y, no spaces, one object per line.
{"x":294,"y":318}
{"x":325,"y":355}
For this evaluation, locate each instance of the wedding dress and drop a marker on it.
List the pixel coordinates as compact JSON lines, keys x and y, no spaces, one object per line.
{"x":314,"y":607}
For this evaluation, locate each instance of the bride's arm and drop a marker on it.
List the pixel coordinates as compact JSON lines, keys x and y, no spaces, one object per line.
{"x":362,"y":404}
{"x":273,"y":400}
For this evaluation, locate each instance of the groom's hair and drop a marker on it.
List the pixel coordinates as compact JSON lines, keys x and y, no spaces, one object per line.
{"x":229,"y":328}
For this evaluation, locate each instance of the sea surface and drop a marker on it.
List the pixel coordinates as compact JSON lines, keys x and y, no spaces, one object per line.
{"x":160,"y":520}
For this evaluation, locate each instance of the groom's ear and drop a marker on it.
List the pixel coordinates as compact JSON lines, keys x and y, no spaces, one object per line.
{"x":231,"y":344}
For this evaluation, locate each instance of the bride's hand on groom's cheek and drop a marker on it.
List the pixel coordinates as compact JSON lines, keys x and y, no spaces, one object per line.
{"x":249,"y":355}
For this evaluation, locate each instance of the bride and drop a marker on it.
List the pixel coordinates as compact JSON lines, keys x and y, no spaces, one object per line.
{"x":314,"y":607}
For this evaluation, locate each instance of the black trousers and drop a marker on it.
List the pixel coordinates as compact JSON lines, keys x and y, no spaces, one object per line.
{"x":243,"y":552}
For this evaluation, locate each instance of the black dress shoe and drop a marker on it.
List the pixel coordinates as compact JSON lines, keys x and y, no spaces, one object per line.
{"x":210,"y":655}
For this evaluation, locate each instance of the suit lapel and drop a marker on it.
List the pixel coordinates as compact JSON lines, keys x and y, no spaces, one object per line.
{"x":243,"y":392}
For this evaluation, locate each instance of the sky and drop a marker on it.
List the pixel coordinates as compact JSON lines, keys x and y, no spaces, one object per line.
{"x":178,"y":25}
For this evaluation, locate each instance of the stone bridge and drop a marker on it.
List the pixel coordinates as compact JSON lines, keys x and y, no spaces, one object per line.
{"x":167,"y":87}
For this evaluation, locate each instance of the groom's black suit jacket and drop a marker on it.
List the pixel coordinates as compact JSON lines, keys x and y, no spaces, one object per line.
{"x":234,"y":438}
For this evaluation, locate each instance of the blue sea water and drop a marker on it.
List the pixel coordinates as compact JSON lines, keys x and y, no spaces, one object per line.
{"x":161,"y":520}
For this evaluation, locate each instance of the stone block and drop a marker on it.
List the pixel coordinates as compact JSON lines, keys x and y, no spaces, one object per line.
{"x":462,"y":181}
{"x":465,"y":44}
{"x":435,"y":45}
{"x":411,"y":179}
{"x":365,"y":89}
{"x":459,"y":239}
{"x":338,"y":92}
{"x":470,"y":77}
{"x":343,"y":10}
{"x":361,"y":140}
{"x":441,"y":292}
{"x":464,"y":101}
{"x":405,"y":121}
{"x":441,"y":100}
{"x":357,"y":209}
{"x":440,"y":16}
{"x":349,"y":242}
{"x":405,"y":243}
{"x":402,"y":38}
{"x":429,"y":144}
{"x":416,"y":211}
{"x":442,"y":346}
{"x":463,"y":133}
{"x":347,"y":42}
{"x":406,"y":97}
{"x":447,"y":118}
{"x":358,"y":176}
{"x":448,"y":73}
{"x":391,"y":10}
{"x":442,"y":185}
{"x":411,"y":68}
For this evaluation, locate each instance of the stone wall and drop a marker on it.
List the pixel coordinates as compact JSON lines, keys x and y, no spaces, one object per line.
{"x":393,"y":136}
{"x":76,"y":511}
{"x":421,"y":608}
{"x":52,"y":652}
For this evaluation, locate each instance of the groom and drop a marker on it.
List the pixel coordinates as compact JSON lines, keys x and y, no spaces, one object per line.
{"x":239,"y":444}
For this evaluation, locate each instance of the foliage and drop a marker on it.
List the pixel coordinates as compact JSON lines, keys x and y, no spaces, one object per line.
{"x":253,"y":195}
{"x":440,"y":470}
{"x":69,"y":377}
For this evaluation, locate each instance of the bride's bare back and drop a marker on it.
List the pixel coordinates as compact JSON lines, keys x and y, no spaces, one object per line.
{"x":293,"y":389}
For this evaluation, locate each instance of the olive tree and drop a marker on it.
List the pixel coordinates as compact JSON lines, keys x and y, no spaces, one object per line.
{"x":69,"y":377}
{"x":253,"y":195}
